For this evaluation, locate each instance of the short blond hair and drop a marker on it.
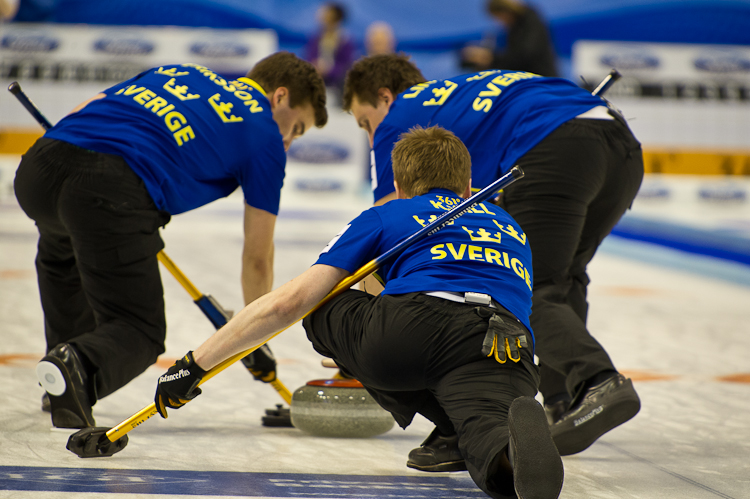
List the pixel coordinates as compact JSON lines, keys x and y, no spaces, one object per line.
{"x":431,"y":158}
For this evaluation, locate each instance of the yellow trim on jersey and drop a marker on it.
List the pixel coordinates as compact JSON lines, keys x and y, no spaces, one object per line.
{"x":253,"y":84}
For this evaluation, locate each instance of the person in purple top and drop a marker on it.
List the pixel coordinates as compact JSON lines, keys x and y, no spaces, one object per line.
{"x":331,"y":50}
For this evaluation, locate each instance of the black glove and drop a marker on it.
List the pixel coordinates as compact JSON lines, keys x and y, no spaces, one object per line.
{"x":261,"y":364}
{"x":503,"y":340}
{"x":179,"y":385}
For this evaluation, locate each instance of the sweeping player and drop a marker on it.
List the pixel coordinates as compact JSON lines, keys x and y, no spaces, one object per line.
{"x":102,"y":181}
{"x":448,"y":338}
{"x":583,"y":168}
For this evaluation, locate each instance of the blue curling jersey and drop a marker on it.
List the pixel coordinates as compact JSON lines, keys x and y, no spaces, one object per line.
{"x":499,"y":115}
{"x":484,"y":250}
{"x":192,"y":136}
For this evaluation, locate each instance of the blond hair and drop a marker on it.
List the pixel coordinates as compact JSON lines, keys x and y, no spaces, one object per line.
{"x":431,"y":158}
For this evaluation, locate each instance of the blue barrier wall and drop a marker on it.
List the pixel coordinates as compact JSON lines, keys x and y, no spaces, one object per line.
{"x":431,"y":30}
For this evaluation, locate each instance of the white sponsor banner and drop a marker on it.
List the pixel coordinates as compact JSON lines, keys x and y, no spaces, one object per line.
{"x":673,"y":95}
{"x":60,"y":66}
{"x":662,"y":62}
{"x":222,"y":50}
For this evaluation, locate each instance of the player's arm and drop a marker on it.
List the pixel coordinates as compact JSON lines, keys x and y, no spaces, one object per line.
{"x":385,"y":199}
{"x":269,"y":314}
{"x":370,"y":284}
{"x":272,"y":312}
{"x":257,"y":253}
{"x":254,"y":324}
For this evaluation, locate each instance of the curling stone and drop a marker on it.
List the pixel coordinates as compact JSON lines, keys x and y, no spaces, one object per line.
{"x":338,"y":408}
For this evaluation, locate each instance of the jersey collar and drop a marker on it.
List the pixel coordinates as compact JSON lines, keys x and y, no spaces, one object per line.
{"x":443,"y":191}
{"x":253,"y":84}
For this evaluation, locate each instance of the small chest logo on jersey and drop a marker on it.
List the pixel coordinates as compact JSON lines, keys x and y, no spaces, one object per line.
{"x":335,"y":239}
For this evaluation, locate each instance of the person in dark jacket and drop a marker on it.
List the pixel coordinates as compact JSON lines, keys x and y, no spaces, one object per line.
{"x":528,"y":44}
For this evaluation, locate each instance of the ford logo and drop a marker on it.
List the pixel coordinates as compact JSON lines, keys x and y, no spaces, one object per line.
{"x":29,"y":43}
{"x":318,"y":152}
{"x":319,"y":185}
{"x":722,"y":62}
{"x":219,"y":49}
{"x":124,"y":46}
{"x":629,"y":59}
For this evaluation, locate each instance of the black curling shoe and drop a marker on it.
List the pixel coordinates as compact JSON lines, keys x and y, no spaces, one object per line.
{"x":555,"y":410}
{"x":437,"y":453}
{"x":601,"y":408}
{"x":62,"y":375}
{"x":537,"y":467}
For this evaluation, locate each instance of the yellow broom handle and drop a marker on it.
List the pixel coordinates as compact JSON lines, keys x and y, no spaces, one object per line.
{"x":181,"y":278}
{"x":139,"y":417}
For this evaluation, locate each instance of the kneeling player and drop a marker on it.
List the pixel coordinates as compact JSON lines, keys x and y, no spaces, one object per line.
{"x":449,"y":337}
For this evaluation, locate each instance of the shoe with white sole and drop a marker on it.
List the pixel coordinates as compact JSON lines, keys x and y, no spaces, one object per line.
{"x":62,"y":375}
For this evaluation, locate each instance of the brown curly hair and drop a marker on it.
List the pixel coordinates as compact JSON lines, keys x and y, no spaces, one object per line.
{"x":369,"y":74}
{"x":284,"y":69}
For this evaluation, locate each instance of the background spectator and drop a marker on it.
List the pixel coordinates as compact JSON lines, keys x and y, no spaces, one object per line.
{"x":528,"y":45}
{"x":331,"y":50}
{"x":8,"y":9}
{"x":379,"y":39}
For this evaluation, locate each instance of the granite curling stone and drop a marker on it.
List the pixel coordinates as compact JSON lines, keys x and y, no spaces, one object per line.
{"x":338,"y":408}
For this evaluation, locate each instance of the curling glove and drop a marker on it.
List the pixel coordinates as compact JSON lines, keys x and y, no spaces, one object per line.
{"x":261,"y":364}
{"x":503,"y":341}
{"x":179,"y":385}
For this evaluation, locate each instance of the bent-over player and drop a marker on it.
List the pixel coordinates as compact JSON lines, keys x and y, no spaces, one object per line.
{"x":582,"y":168}
{"x":448,"y":338}
{"x":102,"y":181}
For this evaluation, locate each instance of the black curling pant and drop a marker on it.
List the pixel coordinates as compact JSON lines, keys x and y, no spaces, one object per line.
{"x":579,"y":181}
{"x":96,"y":263}
{"x":421,"y":354}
